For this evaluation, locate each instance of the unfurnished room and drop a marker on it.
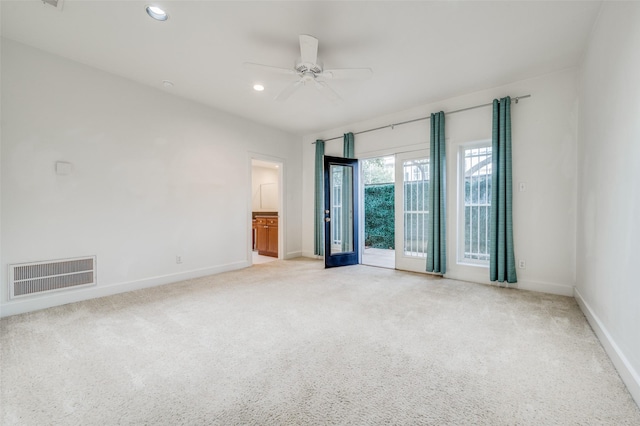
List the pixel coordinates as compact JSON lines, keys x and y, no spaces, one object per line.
{"x":319,"y":212}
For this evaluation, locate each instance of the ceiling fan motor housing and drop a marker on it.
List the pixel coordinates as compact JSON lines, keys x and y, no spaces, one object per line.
{"x":304,"y":67}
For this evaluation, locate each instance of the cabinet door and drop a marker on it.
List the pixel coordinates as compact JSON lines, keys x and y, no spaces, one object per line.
{"x":262,"y":238}
{"x":273,"y":240}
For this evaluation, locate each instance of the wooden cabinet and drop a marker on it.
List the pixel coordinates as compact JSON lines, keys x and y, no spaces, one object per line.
{"x":254,"y":230}
{"x":267,"y":235}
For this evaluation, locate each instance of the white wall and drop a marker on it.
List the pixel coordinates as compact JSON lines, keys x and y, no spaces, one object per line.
{"x":544,"y":152}
{"x":154,"y":176}
{"x":264,"y":187}
{"x":608,"y":286}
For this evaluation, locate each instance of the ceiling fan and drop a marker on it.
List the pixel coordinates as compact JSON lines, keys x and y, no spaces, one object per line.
{"x":309,"y":69}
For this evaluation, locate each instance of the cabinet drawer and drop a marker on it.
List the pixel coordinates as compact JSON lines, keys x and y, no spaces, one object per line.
{"x":266,"y":221}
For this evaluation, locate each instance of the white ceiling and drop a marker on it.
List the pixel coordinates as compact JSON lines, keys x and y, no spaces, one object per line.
{"x":420,"y":51}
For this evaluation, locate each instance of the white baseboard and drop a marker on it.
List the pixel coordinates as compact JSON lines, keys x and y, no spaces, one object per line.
{"x":293,"y":254}
{"x":539,"y":286}
{"x":311,"y":255}
{"x":629,"y":375}
{"x":544,"y":287}
{"x":76,"y":295}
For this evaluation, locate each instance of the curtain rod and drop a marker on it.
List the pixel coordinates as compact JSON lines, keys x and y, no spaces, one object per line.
{"x":517,"y":98}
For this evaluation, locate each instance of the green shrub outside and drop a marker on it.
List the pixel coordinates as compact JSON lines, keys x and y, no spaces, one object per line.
{"x":379,"y":216}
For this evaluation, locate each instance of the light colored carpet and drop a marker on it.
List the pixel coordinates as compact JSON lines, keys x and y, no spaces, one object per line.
{"x":288,"y":342}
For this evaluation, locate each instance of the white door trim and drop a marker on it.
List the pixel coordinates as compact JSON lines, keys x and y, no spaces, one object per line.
{"x":282,"y":219}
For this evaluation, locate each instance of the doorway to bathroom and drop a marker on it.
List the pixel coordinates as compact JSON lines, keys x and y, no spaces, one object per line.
{"x":266,"y":215}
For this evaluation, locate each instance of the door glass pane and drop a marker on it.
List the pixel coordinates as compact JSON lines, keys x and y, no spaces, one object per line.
{"x":341,"y":200}
{"x":416,"y":205}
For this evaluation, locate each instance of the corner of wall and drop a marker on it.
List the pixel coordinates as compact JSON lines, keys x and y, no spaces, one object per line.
{"x":627,"y":373}
{"x":606,"y":202}
{"x":293,"y":255}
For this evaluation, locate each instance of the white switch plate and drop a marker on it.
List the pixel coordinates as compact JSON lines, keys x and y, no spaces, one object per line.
{"x":522,"y":186}
{"x":63,"y":168}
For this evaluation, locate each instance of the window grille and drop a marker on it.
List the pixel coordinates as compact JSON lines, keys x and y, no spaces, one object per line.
{"x":477,"y":203}
{"x":416,"y":206}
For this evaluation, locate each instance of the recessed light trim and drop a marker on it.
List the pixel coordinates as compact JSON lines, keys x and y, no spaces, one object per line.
{"x":258,"y":87}
{"x":157,"y":13}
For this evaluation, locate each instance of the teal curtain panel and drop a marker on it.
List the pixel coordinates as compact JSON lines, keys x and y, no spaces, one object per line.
{"x":348,"y":145}
{"x":319,"y":200}
{"x":436,"y":221}
{"x":502,"y":259}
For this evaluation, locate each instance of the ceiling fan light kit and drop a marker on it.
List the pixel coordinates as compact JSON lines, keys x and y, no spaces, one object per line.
{"x":309,"y":69}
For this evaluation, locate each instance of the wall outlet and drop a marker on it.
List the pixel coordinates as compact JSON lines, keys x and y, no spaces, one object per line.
{"x":178,"y":259}
{"x":522,"y":264}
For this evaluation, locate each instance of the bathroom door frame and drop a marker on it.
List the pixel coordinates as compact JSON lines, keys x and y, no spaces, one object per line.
{"x":282,"y":219}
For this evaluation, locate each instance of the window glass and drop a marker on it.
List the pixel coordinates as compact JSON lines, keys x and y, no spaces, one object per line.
{"x":476,"y":170}
{"x":416,"y":206}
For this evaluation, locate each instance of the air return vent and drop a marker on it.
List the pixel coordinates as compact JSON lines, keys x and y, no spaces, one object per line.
{"x":28,"y":279}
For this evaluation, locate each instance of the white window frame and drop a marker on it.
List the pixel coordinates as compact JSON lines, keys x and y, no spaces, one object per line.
{"x":461,"y":260}
{"x":406,"y":262}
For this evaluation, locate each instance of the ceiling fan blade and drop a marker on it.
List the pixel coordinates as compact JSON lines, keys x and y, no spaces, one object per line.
{"x":260,"y":67}
{"x":288,"y":91}
{"x":347,"y":73}
{"x":327,"y":91}
{"x":308,"y":48}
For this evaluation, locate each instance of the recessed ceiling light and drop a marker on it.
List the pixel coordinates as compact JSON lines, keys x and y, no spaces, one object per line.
{"x":156,"y":13}
{"x":258,"y":87}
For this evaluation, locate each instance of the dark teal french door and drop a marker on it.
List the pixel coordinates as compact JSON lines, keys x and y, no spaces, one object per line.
{"x":340,"y":211}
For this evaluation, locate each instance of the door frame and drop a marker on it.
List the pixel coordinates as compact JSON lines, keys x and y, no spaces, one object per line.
{"x":362,"y":201}
{"x":352,"y":257}
{"x":281,"y":163}
{"x":403,"y":262}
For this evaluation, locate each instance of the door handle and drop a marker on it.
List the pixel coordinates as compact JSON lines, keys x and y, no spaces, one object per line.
{"x":327,"y":219}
